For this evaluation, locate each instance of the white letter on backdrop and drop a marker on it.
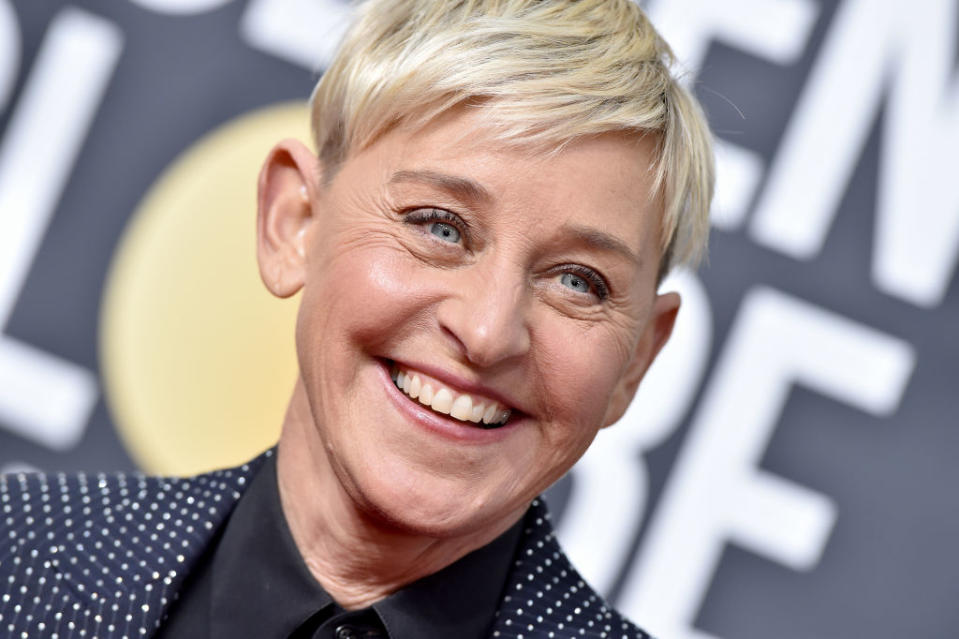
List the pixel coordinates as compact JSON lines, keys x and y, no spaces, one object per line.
{"x":776,"y":30}
{"x":872,"y":45}
{"x":181,"y":6}
{"x":716,"y":492}
{"x":43,"y":397}
{"x":608,"y":499}
{"x":305,"y":32}
{"x":9,"y":50}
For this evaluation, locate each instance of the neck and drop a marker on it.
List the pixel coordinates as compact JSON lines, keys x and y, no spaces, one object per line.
{"x":355,"y":554}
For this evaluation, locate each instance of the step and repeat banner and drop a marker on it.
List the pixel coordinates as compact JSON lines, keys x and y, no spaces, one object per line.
{"x":788,"y":469}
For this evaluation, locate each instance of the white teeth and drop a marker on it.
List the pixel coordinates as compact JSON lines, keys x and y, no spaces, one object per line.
{"x":462,"y":407}
{"x":478,"y":409}
{"x":442,"y":401}
{"x":426,"y":394}
{"x":415,"y":387}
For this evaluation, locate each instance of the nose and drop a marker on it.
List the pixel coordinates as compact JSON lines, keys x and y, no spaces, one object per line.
{"x":486,"y":314}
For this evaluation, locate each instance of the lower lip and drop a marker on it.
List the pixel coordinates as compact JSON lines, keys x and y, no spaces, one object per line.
{"x":447,"y":427}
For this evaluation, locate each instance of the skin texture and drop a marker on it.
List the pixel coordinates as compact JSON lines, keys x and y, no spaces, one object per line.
{"x":379,"y":491}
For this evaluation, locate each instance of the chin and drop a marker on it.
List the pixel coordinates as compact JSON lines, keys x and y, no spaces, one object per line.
{"x":428,"y":505}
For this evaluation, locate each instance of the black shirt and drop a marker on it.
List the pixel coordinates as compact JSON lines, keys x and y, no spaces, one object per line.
{"x":252,"y":582}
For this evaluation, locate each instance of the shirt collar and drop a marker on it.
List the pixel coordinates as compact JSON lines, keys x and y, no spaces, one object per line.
{"x":261,"y":586}
{"x":458,"y":601}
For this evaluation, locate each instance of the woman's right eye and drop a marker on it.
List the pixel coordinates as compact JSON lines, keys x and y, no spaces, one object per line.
{"x":443,"y":224}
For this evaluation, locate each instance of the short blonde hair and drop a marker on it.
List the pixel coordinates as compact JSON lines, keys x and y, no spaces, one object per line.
{"x":545,"y":71}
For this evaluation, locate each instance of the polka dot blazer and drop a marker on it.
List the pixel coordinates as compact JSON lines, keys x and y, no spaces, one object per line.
{"x":104,"y":556}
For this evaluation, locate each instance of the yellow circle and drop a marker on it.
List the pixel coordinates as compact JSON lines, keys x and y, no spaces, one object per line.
{"x":197,"y":358}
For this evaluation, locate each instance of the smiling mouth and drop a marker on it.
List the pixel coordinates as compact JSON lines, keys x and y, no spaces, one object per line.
{"x":465,"y":407}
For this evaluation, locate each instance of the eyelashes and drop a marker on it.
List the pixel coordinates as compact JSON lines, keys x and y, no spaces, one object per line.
{"x":577,"y":271}
{"x":423,"y":216}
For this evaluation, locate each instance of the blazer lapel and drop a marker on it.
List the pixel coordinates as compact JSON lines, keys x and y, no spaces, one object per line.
{"x":545,"y":598}
{"x":113,"y":550}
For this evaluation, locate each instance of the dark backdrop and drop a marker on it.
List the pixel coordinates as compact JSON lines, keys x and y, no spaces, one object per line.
{"x":788,"y":470}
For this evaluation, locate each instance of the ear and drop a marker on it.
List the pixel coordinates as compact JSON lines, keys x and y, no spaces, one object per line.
{"x":654,"y":337}
{"x":286,"y":192}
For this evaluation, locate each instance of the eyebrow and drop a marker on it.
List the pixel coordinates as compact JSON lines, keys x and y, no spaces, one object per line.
{"x":460,"y":187}
{"x":598,"y":239}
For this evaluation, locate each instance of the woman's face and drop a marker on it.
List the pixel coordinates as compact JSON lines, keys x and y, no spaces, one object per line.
{"x":505,"y":280}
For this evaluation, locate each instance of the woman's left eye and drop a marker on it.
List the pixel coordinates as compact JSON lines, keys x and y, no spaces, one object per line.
{"x":584,"y":281}
{"x":574,"y":282}
{"x":446,"y":232}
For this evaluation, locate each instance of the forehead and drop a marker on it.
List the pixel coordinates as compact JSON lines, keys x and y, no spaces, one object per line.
{"x":604,"y":181}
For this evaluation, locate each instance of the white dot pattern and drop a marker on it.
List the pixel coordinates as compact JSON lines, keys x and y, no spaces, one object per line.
{"x":547,"y":599}
{"x":104,"y":556}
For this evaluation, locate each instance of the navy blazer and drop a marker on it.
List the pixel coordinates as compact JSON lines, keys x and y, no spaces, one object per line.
{"x":104,"y":556}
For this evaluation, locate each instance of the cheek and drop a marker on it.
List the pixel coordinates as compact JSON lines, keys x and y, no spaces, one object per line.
{"x":580,"y":369}
{"x":370,"y":293}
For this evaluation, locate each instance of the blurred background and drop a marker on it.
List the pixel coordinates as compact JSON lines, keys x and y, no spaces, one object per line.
{"x":788,"y":469}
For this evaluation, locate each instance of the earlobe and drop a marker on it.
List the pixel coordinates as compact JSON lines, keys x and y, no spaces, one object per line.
{"x":654,"y":337}
{"x":286,"y":192}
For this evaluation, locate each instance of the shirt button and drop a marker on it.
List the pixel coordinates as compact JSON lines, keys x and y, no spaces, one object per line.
{"x":346,"y":632}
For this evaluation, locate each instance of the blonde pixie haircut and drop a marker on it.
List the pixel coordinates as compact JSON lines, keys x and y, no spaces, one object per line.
{"x":544,"y":71}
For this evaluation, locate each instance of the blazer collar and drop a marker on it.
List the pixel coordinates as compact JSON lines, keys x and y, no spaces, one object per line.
{"x":546,"y":598}
{"x":114,"y":551}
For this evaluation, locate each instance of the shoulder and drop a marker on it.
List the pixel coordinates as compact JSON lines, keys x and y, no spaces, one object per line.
{"x":547,"y":598}
{"x":103,"y":553}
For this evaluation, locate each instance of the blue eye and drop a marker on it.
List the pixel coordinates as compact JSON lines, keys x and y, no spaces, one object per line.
{"x":446,"y":232}
{"x":575,"y":282}
{"x":447,"y":226}
{"x":583,"y":280}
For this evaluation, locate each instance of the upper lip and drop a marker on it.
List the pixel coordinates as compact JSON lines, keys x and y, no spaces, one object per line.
{"x":460,"y":383}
